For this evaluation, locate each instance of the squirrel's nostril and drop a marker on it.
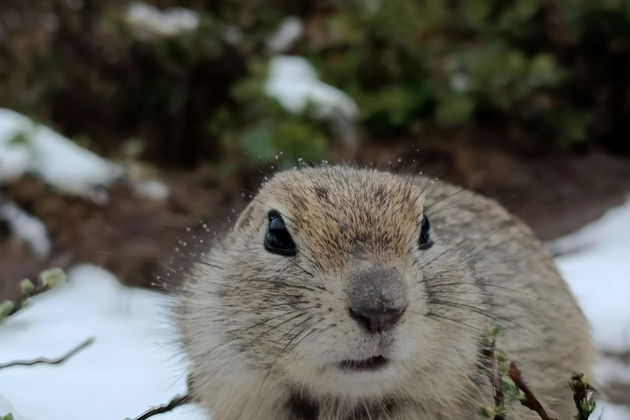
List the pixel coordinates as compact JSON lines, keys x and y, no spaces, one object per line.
{"x":376,"y":321}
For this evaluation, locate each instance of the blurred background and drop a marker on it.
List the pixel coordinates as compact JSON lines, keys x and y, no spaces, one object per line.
{"x":123,"y":124}
{"x":526,"y":101}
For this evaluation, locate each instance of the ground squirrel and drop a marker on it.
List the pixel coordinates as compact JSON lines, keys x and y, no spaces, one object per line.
{"x":346,"y":293}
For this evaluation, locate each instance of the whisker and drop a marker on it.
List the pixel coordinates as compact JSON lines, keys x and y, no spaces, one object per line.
{"x":429,"y":208}
{"x":284,"y":348}
{"x":239,"y":332}
{"x":455,"y":321}
{"x":490,"y":315}
{"x":297,"y":343}
{"x":486,"y":284}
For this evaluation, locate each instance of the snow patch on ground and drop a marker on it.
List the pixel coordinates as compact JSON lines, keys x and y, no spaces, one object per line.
{"x":151,"y":22}
{"x":610,"y":231}
{"x":131,"y":366}
{"x":611,"y":412}
{"x":289,"y":30}
{"x":152,"y":189}
{"x":143,"y":181}
{"x":596,"y":264}
{"x":598,"y":271}
{"x":294,"y":83}
{"x":26,"y":227}
{"x":5,"y":408}
{"x":29,"y":147}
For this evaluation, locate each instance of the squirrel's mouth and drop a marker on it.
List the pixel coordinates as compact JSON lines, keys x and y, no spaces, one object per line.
{"x":366,"y":365}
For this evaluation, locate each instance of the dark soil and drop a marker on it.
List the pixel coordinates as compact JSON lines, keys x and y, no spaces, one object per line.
{"x":132,"y":236}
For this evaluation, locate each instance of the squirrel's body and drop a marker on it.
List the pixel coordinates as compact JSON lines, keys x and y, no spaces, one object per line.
{"x":335,"y":298}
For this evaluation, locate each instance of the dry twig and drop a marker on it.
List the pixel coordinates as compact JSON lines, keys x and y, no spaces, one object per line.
{"x":47,"y":361}
{"x":505,"y":392}
{"x":160,"y":409}
{"x":530,"y":401}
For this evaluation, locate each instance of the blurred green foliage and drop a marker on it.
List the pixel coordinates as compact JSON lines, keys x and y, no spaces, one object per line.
{"x":557,"y":73}
{"x":461,"y":63}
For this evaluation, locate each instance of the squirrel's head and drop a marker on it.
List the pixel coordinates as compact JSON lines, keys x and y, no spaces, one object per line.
{"x":322,"y":286}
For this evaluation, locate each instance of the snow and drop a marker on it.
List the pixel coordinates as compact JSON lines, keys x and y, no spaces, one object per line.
{"x":597,"y":267}
{"x":289,"y":30}
{"x":595,"y":261}
{"x":294,"y":83}
{"x":14,"y":158}
{"x":142,"y":180}
{"x":29,"y":147}
{"x":135,"y":364}
{"x":26,"y":227}
{"x":612,"y":370}
{"x":131,"y":365}
{"x":152,"y":189}
{"x":5,"y":408}
{"x":150,"y":22}
{"x":610,"y":411}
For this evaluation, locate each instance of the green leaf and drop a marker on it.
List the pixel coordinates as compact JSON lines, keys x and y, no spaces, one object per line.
{"x":6,"y":307}
{"x":26,"y":287}
{"x":53,"y":277}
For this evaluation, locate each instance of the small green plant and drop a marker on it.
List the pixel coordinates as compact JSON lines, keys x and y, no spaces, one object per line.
{"x":509,"y":386}
{"x":584,"y":396}
{"x":505,"y":391}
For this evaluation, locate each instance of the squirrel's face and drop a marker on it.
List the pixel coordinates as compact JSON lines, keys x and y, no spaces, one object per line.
{"x":322,"y":284}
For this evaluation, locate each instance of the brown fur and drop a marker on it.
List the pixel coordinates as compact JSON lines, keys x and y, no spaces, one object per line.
{"x":265,"y":332}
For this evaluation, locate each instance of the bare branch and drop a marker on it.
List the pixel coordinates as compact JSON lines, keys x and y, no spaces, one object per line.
{"x":530,"y":401}
{"x":161,"y":409}
{"x":47,"y":361}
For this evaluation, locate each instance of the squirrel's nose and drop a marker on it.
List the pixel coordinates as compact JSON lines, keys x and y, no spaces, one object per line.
{"x":376,"y":321}
{"x":377,"y":297}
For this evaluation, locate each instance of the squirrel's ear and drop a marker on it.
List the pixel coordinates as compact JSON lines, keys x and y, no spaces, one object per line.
{"x":246,"y":216}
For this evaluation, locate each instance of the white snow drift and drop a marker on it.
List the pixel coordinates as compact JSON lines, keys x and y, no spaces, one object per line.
{"x":289,"y":30}
{"x":130,"y":367}
{"x":150,"y":22}
{"x":29,"y":147}
{"x":294,"y":83}
{"x":26,"y":227}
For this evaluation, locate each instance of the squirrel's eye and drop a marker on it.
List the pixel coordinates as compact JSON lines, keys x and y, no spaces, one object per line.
{"x":425,"y":241}
{"x":278,"y":240}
